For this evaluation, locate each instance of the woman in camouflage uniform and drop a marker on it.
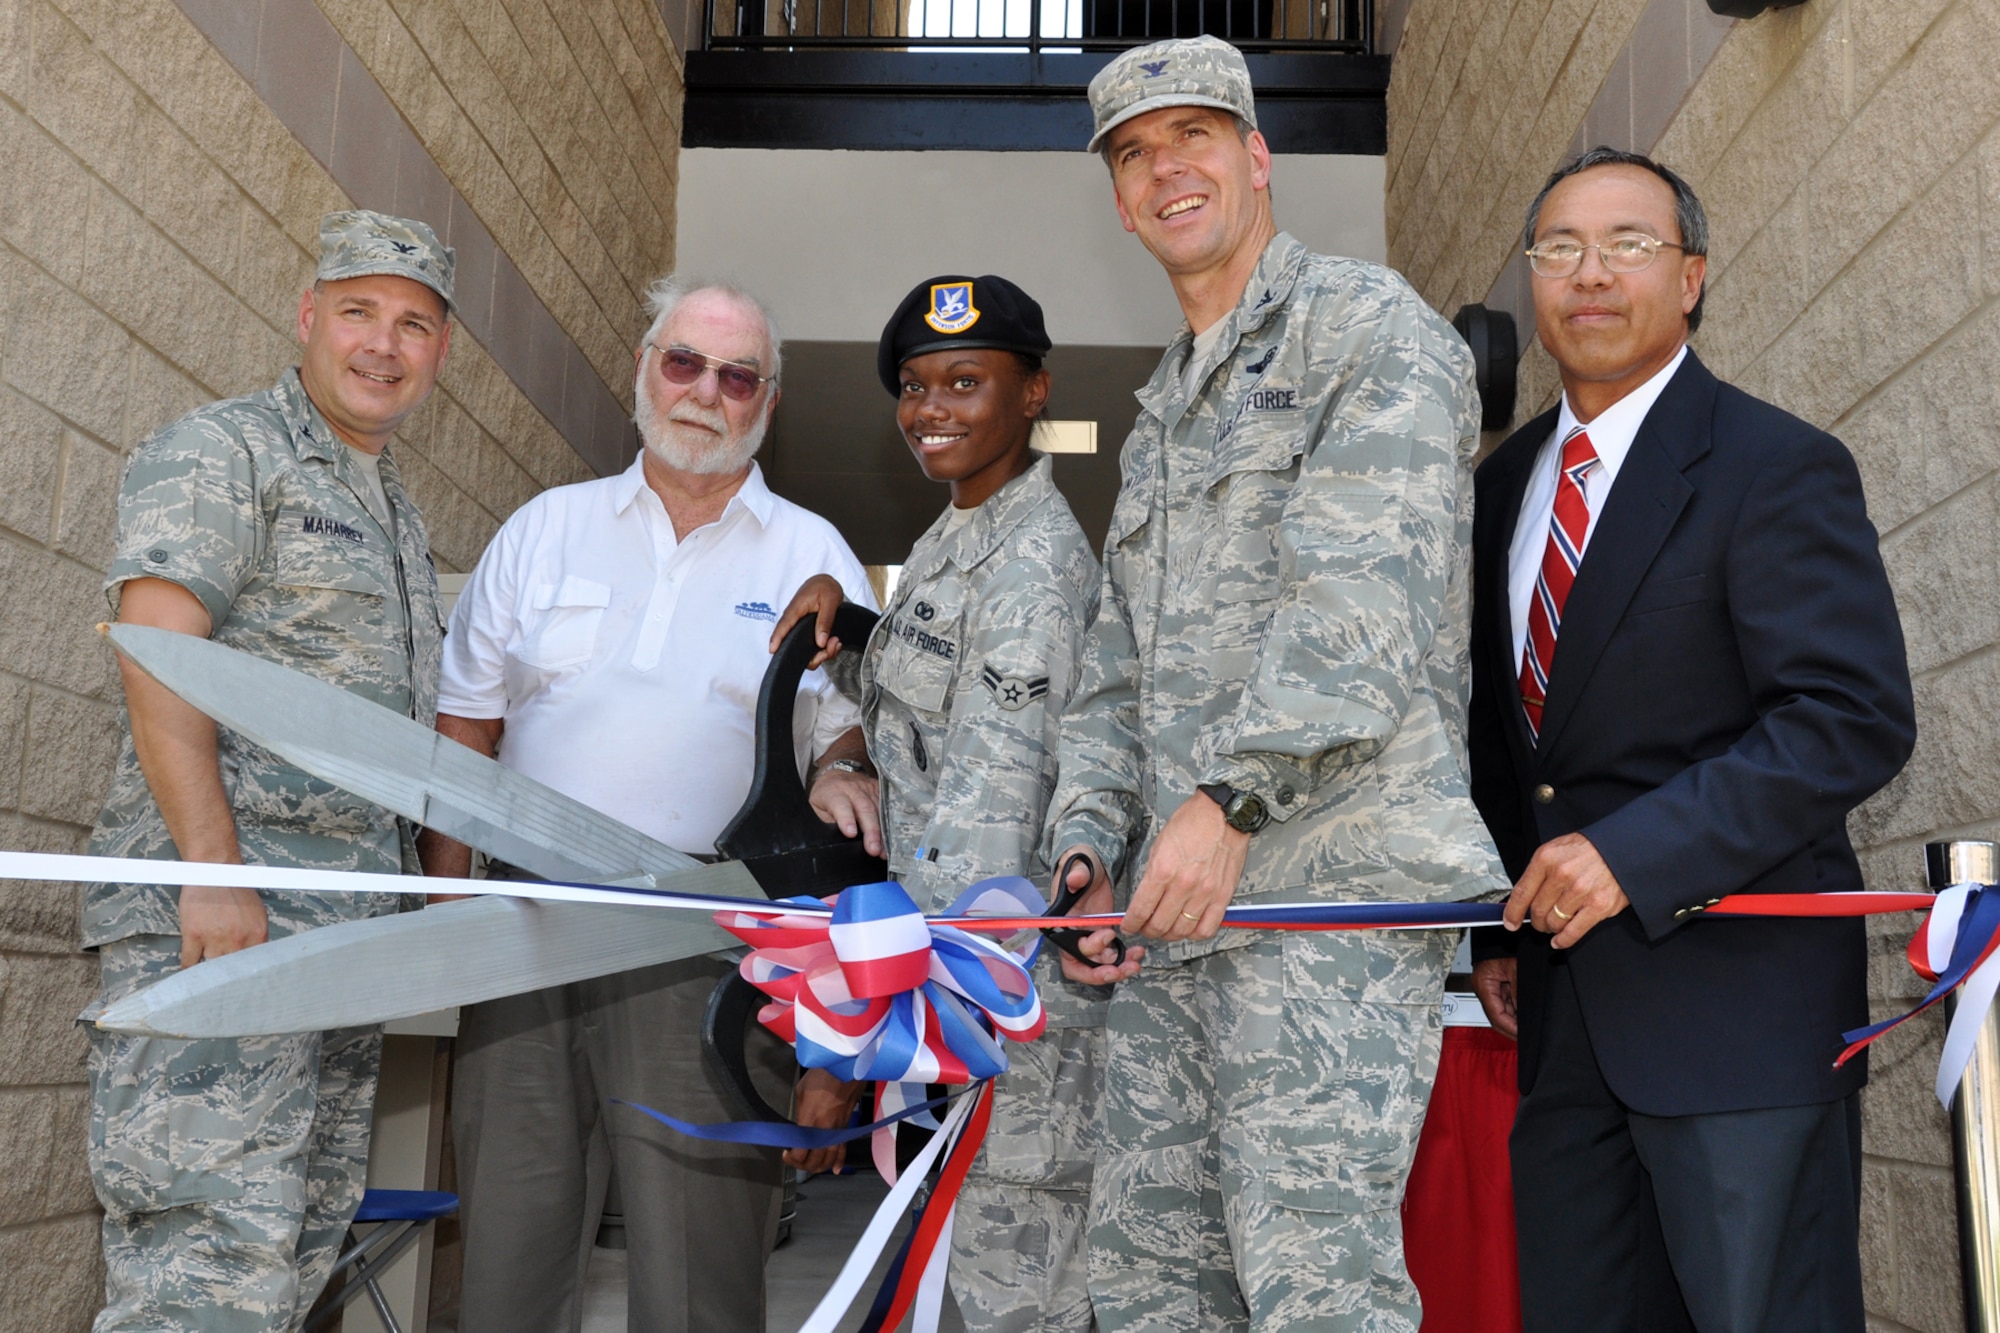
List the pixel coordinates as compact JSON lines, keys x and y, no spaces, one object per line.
{"x":962,"y":685}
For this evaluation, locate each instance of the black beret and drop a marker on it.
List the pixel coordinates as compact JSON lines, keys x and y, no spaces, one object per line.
{"x":956,"y":311}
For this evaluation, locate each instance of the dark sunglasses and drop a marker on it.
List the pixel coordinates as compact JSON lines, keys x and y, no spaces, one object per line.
{"x":683,"y":365}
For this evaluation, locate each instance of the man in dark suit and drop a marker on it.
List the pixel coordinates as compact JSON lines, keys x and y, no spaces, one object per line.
{"x":1687,"y":670}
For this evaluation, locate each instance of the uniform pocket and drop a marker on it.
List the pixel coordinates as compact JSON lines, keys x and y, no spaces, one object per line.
{"x":1360,"y":1046}
{"x":321,"y":553}
{"x":916,"y":675}
{"x":567,"y":617}
{"x":161,"y":1134}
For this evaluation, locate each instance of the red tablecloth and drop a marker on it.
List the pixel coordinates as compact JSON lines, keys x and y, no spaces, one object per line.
{"x":1458,"y":1213}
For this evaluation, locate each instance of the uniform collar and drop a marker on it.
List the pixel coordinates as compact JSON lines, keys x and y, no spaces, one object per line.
{"x":312,"y":435}
{"x":992,"y":523}
{"x":1269,"y":288}
{"x":753,"y":496}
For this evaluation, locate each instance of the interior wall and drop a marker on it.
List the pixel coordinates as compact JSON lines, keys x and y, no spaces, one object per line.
{"x":832,"y":240}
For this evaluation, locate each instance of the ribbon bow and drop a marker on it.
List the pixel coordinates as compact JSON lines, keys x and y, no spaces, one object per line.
{"x":878,"y":992}
{"x":1954,"y":947}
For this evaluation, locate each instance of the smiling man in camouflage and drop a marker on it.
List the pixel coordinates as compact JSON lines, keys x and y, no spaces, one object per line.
{"x":276,"y":524}
{"x":1272,"y":706}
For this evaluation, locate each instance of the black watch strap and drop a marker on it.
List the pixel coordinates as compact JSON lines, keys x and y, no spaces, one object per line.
{"x":1244,"y":811}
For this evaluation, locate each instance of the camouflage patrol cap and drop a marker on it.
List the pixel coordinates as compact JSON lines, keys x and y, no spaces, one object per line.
{"x":357,"y":242}
{"x":1183,"y":71}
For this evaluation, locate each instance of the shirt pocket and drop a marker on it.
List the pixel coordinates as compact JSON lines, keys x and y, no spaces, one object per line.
{"x":567,"y":618}
{"x":1359,"y":1051}
{"x":312,"y":551}
{"x":921,"y":679}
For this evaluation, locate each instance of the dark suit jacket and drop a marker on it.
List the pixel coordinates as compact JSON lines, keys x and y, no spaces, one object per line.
{"x":1729,"y":683}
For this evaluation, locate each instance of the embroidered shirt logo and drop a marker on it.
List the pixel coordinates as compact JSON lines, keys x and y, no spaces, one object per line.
{"x":318,"y":526}
{"x":924,"y":611}
{"x":951,"y":309}
{"x":757,"y":611}
{"x":1154,"y":68}
{"x":1260,"y":366}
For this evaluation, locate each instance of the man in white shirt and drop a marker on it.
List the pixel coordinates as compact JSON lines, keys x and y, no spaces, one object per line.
{"x":611,"y":645}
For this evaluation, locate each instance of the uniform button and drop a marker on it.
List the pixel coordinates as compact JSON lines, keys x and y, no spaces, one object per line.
{"x":1713,"y":901}
{"x":1544,"y":794}
{"x":1286,"y":795}
{"x":1681,"y":915}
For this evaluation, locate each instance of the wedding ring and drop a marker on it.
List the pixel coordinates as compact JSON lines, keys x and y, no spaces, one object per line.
{"x":1559,"y":913}
{"x":1192,"y":916}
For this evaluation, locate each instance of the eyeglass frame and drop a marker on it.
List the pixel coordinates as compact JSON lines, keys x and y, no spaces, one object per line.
{"x":1652,"y":254}
{"x":715,"y":363}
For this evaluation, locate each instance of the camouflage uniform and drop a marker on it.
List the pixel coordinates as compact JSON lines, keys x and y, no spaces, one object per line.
{"x":962,"y":685}
{"x":229,"y":1169}
{"x":1285,"y":611}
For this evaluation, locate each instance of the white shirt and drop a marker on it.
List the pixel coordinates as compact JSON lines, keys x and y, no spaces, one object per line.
{"x":626,"y":664}
{"x":1612,"y":435}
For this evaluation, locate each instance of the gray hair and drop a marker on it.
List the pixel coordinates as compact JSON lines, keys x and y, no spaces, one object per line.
{"x":666,"y":295}
{"x":1689,"y":216}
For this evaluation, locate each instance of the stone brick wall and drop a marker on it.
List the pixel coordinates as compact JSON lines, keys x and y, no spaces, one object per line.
{"x":1849,"y":155}
{"x":157,"y":223}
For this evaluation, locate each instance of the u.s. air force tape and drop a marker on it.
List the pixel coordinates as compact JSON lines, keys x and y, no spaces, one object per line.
{"x":1012,"y":692}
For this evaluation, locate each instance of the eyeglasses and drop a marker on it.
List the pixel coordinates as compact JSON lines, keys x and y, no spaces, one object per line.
{"x":1625,"y":252}
{"x":683,"y":365}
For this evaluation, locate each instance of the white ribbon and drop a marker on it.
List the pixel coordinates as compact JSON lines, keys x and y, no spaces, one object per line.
{"x":832,"y":1307}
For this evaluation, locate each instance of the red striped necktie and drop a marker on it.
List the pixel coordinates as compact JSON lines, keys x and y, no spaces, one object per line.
{"x":1568,"y":525}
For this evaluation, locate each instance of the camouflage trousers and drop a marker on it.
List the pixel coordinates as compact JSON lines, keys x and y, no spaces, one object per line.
{"x":1017,"y":1243}
{"x":1261,"y":1111}
{"x":228,"y":1169}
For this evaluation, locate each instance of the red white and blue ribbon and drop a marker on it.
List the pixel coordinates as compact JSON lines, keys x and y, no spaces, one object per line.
{"x":868,"y":988}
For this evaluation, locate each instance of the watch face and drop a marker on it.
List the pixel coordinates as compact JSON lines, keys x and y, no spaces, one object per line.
{"x":1246,"y":813}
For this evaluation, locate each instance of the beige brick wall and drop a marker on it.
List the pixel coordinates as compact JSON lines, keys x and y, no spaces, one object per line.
{"x":560,"y":122}
{"x":1848,"y":152}
{"x":156,"y":225}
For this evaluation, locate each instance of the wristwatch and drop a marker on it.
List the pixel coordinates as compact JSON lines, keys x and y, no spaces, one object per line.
{"x":1242,"y":810}
{"x":847,"y":766}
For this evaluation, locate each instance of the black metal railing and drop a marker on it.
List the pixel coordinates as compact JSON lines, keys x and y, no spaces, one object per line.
{"x":1035,"y":26}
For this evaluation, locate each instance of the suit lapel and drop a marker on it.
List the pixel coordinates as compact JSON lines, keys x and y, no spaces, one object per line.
{"x":1645,"y":503}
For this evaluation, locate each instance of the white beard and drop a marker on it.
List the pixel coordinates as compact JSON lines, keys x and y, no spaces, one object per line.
{"x":681,"y":442}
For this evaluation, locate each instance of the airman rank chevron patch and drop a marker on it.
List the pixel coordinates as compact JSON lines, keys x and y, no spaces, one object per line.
{"x":1012,"y":692}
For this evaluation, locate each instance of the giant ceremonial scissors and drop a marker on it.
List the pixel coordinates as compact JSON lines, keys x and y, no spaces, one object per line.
{"x":364,"y":972}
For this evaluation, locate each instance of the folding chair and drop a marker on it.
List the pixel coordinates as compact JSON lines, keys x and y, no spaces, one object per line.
{"x":402,"y":1216}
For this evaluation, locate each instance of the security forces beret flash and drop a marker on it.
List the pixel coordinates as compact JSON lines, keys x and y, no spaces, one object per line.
{"x":956,"y":311}
{"x":359,"y":242}
{"x":1182,"y":71}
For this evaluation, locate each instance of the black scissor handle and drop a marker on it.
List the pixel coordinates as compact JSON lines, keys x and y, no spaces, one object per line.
{"x":1066,"y":900}
{"x":725,"y":1028}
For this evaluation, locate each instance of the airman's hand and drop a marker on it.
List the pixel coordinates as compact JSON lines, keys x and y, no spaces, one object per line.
{"x":1493,"y":982}
{"x":1191,"y":876}
{"x":822,"y":1102}
{"x":820,"y":597}
{"x":216,"y":921}
{"x":1097,"y":944}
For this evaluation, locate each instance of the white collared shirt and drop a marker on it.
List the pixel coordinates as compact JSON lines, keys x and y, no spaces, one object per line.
{"x":1612,"y":435}
{"x":626,"y":664}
